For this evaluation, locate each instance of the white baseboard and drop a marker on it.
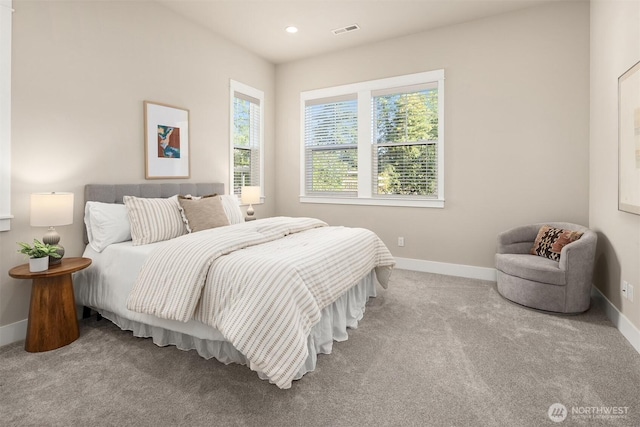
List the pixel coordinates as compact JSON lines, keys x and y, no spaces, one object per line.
{"x":619,"y":320}
{"x":13,"y":332}
{"x":459,"y":270}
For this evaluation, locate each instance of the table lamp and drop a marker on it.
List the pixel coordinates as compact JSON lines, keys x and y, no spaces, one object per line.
{"x":250,"y":195}
{"x":50,"y":210}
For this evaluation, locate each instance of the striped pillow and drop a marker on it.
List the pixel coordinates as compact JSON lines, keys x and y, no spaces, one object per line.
{"x":154,"y":220}
{"x":231,"y":206}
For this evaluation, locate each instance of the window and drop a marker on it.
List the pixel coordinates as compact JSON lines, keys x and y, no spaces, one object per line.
{"x":247,"y":134}
{"x":5,"y":114}
{"x":331,"y":145}
{"x":378,"y":142}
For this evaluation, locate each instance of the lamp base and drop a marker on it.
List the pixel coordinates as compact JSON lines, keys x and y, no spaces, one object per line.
{"x":52,"y":238}
{"x":250,"y":213}
{"x":56,"y":261}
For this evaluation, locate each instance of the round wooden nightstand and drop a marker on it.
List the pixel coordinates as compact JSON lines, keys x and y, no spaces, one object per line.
{"x":53,"y":321}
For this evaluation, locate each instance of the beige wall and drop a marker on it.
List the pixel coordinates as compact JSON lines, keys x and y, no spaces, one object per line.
{"x":615,"y":47}
{"x":516,"y":132}
{"x":517,"y":111}
{"x":80,"y":73}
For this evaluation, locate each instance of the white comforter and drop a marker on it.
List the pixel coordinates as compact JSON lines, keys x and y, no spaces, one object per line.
{"x":266,"y":303}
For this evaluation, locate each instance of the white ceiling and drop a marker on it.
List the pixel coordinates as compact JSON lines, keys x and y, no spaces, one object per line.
{"x":258,"y":25}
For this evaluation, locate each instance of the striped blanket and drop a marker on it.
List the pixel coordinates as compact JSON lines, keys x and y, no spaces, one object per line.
{"x":262,"y":284}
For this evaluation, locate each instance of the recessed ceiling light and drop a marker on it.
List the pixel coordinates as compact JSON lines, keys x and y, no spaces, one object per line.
{"x":291,"y":29}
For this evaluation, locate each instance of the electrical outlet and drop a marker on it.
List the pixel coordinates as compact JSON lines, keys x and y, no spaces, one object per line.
{"x":400,"y":241}
{"x":630,"y":292}
{"x":625,"y":287}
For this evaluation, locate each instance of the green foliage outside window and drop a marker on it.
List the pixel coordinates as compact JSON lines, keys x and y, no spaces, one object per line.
{"x":241,"y":143}
{"x":241,"y":167}
{"x":331,"y":137}
{"x":405,"y":136}
{"x":245,"y":144}
{"x":335,"y":170}
{"x":406,"y":127}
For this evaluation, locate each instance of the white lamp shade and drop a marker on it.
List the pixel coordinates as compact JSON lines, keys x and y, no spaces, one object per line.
{"x":51,"y":209}
{"x":250,"y":195}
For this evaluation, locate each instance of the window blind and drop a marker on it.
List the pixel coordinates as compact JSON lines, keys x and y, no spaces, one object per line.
{"x":405,"y":141}
{"x":246,"y":141}
{"x":377,"y":142}
{"x":331,"y":145}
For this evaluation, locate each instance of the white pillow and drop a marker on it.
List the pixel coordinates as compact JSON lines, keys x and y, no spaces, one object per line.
{"x":154,"y":220}
{"x":231,"y":206}
{"x":107,"y":223}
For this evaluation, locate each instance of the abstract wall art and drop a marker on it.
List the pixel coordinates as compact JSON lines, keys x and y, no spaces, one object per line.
{"x":166,"y":136}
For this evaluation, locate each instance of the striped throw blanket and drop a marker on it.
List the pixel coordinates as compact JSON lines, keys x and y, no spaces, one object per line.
{"x":262,"y":284}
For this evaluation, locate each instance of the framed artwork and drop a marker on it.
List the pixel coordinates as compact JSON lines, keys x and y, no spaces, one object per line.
{"x":166,"y":141}
{"x":629,"y":140}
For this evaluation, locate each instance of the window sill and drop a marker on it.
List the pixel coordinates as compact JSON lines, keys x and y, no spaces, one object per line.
{"x":416,"y":203}
{"x":5,"y":222}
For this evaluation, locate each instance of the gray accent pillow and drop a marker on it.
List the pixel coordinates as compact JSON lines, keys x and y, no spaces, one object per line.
{"x":202,"y":214}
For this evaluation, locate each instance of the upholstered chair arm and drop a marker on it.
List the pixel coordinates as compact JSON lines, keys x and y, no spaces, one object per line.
{"x":577,"y":260}
{"x":579,"y":255}
{"x":518,"y":240}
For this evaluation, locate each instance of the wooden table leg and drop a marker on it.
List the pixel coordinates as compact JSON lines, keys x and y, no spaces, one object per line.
{"x":53,"y":320}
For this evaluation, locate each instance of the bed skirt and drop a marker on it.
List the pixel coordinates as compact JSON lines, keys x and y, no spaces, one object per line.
{"x":344,"y":313}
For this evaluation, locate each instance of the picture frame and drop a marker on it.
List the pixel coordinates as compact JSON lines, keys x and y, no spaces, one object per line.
{"x":166,"y":141}
{"x":629,"y":140}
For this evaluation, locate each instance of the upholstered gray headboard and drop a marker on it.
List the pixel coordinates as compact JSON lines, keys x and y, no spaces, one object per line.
{"x":113,"y":193}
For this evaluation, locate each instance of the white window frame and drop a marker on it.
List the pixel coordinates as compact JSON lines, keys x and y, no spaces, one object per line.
{"x":237,"y":87}
{"x":364,"y":91}
{"x":6,"y":12}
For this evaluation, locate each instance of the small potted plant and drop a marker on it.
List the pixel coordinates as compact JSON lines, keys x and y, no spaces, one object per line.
{"x":39,"y":254}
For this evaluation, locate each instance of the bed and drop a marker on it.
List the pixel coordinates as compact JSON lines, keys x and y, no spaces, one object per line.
{"x":271,"y":294}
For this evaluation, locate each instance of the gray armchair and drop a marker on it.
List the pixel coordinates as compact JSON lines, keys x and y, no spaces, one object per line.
{"x":562,"y":286}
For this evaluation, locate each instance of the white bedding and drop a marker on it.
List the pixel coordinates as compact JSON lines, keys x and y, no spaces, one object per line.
{"x":108,"y":283}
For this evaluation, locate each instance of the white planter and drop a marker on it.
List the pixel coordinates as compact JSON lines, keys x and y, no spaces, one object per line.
{"x":38,"y":264}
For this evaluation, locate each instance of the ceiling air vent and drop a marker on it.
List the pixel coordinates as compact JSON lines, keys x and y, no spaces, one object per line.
{"x":346,"y":29}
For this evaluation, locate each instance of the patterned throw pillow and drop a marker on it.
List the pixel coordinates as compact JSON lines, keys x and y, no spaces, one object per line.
{"x":202,"y":213}
{"x":550,"y":241}
{"x":154,"y":220}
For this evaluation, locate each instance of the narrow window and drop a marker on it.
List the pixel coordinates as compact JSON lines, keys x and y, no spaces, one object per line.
{"x":247,"y":118}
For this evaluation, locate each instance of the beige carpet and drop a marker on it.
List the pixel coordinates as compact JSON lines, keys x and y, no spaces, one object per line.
{"x":431,"y":350}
